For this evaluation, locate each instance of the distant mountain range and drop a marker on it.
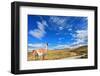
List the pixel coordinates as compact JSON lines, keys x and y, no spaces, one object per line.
{"x":73,"y":48}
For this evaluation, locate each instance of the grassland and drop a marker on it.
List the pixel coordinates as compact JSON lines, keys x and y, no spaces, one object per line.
{"x":80,"y":53}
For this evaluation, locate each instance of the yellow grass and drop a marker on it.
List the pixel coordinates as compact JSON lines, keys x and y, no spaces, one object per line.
{"x":60,"y":54}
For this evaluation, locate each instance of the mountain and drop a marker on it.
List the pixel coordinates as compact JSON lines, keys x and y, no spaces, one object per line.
{"x":78,"y":51}
{"x":62,"y":49}
{"x":81,"y":50}
{"x":74,"y":48}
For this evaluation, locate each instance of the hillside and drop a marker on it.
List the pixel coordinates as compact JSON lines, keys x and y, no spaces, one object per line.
{"x":78,"y":53}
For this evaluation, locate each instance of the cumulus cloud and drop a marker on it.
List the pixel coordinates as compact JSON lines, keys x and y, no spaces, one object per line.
{"x":37,"y":33}
{"x":81,"y":37}
{"x":40,"y":31}
{"x":59,"y":22}
{"x":44,"y":23}
{"x":82,"y":34}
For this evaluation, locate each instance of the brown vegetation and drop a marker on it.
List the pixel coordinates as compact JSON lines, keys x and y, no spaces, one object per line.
{"x":82,"y":52}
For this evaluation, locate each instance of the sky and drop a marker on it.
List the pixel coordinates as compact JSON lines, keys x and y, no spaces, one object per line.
{"x":58,"y":31}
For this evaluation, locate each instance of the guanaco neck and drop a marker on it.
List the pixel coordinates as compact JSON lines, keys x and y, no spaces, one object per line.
{"x":46,"y":47}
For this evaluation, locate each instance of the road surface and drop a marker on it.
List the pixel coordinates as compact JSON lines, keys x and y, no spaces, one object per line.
{"x":75,"y":57}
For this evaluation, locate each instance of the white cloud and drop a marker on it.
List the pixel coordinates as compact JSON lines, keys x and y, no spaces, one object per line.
{"x":40,"y":31}
{"x":59,"y":21}
{"x":80,"y":37}
{"x":36,"y":45}
{"x":44,"y":23}
{"x":37,"y":33}
{"x":57,"y":33}
{"x":61,"y":46}
{"x":82,"y":34}
{"x":30,"y":49}
{"x":61,"y":28}
{"x":60,"y":38}
{"x":70,"y":29}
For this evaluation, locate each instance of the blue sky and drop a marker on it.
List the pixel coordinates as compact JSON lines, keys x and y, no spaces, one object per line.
{"x":58,"y":31}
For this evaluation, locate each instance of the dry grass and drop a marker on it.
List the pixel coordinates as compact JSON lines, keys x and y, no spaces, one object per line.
{"x":60,"y":54}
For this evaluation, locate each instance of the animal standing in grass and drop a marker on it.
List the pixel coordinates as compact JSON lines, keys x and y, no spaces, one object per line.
{"x":41,"y":53}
